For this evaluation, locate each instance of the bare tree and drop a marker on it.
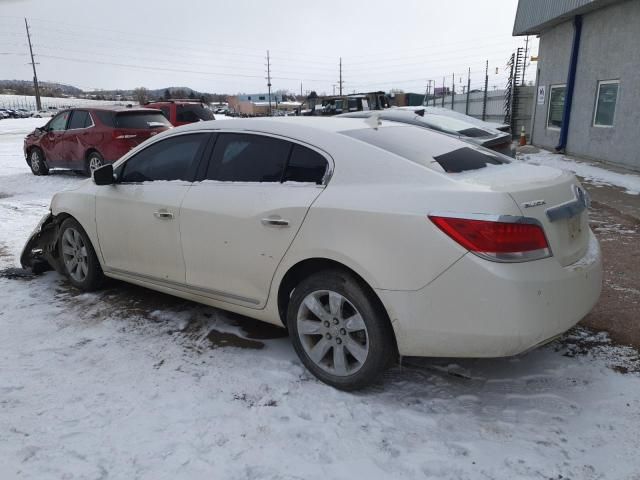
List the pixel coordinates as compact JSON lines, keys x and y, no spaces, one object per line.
{"x":141,"y":94}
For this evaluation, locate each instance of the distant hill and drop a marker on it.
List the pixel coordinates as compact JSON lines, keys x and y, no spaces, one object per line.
{"x":53,"y":89}
{"x":50,"y":89}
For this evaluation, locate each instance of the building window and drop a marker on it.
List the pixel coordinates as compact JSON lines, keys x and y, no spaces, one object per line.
{"x":606,"y":103}
{"x":556,"y":106}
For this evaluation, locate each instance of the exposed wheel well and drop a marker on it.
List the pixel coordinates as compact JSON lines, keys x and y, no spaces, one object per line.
{"x":305,"y":268}
{"x":90,"y":151}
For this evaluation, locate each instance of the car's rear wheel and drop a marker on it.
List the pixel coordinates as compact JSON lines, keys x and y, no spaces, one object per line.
{"x":94,"y":161}
{"x":37,"y":163}
{"x":339,"y":330}
{"x":78,"y":258}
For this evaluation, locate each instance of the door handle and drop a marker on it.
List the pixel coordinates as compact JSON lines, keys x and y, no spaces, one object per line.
{"x":275,"y":222}
{"x":163,"y":215}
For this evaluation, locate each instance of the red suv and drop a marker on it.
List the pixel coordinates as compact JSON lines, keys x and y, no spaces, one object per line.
{"x":84,"y":139}
{"x":181,"y":112}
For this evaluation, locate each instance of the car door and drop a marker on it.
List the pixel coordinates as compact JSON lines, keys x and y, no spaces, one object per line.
{"x":77,"y":139}
{"x":238,"y":223}
{"x":51,"y":142}
{"x":138,"y":217}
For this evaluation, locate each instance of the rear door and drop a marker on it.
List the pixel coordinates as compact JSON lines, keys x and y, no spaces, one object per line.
{"x":238,"y":222}
{"x":77,"y":138}
{"x":138,"y":218}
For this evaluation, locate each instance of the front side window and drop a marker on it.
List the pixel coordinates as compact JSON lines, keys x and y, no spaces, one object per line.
{"x":556,"y":106}
{"x":170,"y":159}
{"x":606,"y":103}
{"x":59,"y":123}
{"x":240,"y":157}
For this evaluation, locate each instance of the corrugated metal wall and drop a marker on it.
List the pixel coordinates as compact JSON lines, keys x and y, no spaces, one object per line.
{"x":532,"y":13}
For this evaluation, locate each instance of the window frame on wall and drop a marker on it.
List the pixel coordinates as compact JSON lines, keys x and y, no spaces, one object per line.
{"x":615,"y":81}
{"x":550,"y":95}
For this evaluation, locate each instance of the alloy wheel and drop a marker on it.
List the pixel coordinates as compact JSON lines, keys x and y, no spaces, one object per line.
{"x":332,"y":332}
{"x":35,"y":161}
{"x":94,"y":163}
{"x":75,"y":255}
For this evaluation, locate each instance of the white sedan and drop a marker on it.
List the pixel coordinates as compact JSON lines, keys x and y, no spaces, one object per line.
{"x":367,"y":241}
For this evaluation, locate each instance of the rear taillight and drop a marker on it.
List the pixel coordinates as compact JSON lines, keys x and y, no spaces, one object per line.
{"x":519,"y":240}
{"x":123,"y":135}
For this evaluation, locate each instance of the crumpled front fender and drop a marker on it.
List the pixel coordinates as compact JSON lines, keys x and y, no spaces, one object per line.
{"x":40,"y":253}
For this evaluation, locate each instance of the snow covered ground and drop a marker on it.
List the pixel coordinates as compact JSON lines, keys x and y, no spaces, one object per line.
{"x":131,"y":384}
{"x":591,"y":172}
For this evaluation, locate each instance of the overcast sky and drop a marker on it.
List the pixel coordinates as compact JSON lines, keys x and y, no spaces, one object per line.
{"x":220,"y":46}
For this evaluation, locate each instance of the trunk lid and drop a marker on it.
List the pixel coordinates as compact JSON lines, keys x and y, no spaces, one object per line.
{"x":553,"y":197}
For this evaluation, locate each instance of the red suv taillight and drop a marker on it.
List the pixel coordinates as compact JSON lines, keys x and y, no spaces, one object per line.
{"x":512,"y":241}
{"x":123,"y":135}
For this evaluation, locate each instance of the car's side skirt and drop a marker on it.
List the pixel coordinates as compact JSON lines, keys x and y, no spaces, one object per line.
{"x":205,"y":292}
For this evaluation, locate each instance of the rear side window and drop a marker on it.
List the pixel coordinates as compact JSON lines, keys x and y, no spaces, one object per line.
{"x":165,"y":111}
{"x":106,"y":118}
{"x":79,"y":119}
{"x":305,"y":165}
{"x":465,"y":159}
{"x":193,"y":112}
{"x":141,"y":120}
{"x":170,"y":159}
{"x":248,"y":158}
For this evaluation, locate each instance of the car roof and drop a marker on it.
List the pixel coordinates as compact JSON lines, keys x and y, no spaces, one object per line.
{"x":117,"y":108}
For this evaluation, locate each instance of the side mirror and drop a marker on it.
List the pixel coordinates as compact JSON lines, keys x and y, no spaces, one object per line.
{"x":104,"y":175}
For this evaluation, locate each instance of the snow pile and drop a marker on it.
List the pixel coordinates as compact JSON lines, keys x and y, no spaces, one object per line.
{"x":129,"y":383}
{"x":590,"y":171}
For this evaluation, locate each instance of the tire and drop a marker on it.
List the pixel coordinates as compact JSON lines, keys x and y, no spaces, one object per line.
{"x":78,"y":258}
{"x":340,"y":330}
{"x":37,"y":163}
{"x":94,"y":161}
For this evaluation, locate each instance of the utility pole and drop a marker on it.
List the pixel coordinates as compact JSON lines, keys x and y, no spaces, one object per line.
{"x":443,"y":92}
{"x":486,"y":86}
{"x":36,"y":87}
{"x":269,"y":80}
{"x":466,"y":110}
{"x":340,"y":81}
{"x":300,"y":88}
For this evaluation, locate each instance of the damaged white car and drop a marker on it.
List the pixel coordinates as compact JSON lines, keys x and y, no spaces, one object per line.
{"x":367,"y":241}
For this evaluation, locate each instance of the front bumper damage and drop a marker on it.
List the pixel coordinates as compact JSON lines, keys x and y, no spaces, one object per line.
{"x":40,"y":253}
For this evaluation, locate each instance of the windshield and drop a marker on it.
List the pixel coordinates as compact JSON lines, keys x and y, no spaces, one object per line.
{"x":141,"y":120}
{"x":193,"y":112}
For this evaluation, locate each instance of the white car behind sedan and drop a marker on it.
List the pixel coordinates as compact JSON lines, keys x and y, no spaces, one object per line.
{"x":366,"y":242}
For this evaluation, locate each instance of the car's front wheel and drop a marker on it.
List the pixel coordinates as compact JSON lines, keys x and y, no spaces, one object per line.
{"x":339,"y":330}
{"x":78,"y":258}
{"x":37,"y":163}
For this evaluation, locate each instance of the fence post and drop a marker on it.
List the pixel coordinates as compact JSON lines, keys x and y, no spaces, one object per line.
{"x":486,"y":86}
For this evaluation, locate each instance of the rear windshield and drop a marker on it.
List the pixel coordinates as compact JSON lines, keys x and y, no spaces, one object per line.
{"x":414,"y":144}
{"x":141,"y":120}
{"x":193,"y":112}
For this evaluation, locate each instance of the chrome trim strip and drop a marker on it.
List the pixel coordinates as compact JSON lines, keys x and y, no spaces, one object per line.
{"x":182,"y":286}
{"x":503,"y":257}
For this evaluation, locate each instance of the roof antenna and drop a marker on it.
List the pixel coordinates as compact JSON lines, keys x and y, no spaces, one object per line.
{"x":373,"y":121}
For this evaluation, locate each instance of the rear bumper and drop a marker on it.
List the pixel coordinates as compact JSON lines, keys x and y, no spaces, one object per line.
{"x":479,"y":308}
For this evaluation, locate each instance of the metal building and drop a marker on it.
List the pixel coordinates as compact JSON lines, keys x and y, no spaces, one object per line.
{"x":587,"y":99}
